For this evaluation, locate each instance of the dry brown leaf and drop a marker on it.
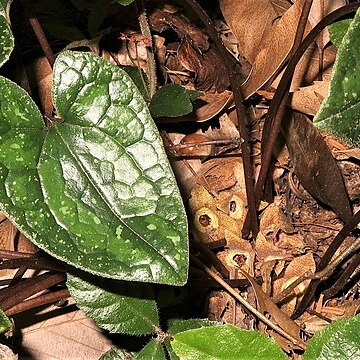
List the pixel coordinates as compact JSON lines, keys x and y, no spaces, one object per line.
{"x":186,"y":179}
{"x":267,"y":251}
{"x":308,"y":99}
{"x":273,"y":220}
{"x":281,"y":6}
{"x":296,"y":268}
{"x":349,"y":153}
{"x":220,"y":174}
{"x":210,"y":71}
{"x":277,"y":316}
{"x":308,"y":68}
{"x":227,"y":130}
{"x":274,"y":50}
{"x":250,"y":21}
{"x":65,"y":336}
{"x":314,"y":164}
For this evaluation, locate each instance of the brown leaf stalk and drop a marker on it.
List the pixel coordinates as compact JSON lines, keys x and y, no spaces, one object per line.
{"x":242,"y":118}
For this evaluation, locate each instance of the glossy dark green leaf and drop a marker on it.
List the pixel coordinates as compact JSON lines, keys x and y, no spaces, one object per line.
{"x":340,"y":341}
{"x":95,"y":190}
{"x":340,"y":111}
{"x":172,"y":100}
{"x":152,"y":351}
{"x":5,"y":322}
{"x":225,"y":342}
{"x":116,"y":306}
{"x":6,"y":37}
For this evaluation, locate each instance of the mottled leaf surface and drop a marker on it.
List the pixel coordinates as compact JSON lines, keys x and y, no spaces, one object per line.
{"x":152,"y":351}
{"x":225,"y":342}
{"x":338,"y":29}
{"x":340,"y":341}
{"x":340,"y":111}
{"x":6,"y":37}
{"x":117,"y":306}
{"x":314,"y":164}
{"x":95,"y":190}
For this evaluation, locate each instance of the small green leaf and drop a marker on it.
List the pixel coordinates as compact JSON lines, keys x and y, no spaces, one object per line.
{"x":116,"y":306}
{"x":340,"y":341}
{"x":173,"y":100}
{"x":152,"y":351}
{"x":96,"y":190}
{"x":340,"y":111}
{"x":225,"y":342}
{"x":337,"y":31}
{"x":5,"y":322}
{"x":125,"y":2}
{"x":6,"y":36}
{"x":115,"y":354}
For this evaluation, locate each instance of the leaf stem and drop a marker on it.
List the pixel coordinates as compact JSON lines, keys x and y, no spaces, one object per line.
{"x":48,"y":298}
{"x":242,"y":118}
{"x":27,"y":288}
{"x":329,"y":253}
{"x":39,"y":33}
{"x":146,"y":32}
{"x":243,"y":302}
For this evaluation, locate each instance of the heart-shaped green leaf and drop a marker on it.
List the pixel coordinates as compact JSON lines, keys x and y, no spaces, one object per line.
{"x":339,"y":112}
{"x":6,"y":37}
{"x":95,"y":190}
{"x":117,"y":306}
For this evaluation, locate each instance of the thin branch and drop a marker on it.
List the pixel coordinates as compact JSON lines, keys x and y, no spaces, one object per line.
{"x":146,"y":32}
{"x":275,"y":115}
{"x":26,"y":288}
{"x":41,"y":300}
{"x":39,"y":33}
{"x":242,"y":118}
{"x":343,"y":279}
{"x":329,"y":253}
{"x":243,"y":302}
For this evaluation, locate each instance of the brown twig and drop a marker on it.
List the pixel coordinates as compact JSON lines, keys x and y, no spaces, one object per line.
{"x":48,"y":298}
{"x":39,"y":33}
{"x":329,"y":253}
{"x":242,"y":118}
{"x":146,"y":32}
{"x":343,"y":279}
{"x":275,"y":115}
{"x":243,"y":302}
{"x":14,"y":295}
